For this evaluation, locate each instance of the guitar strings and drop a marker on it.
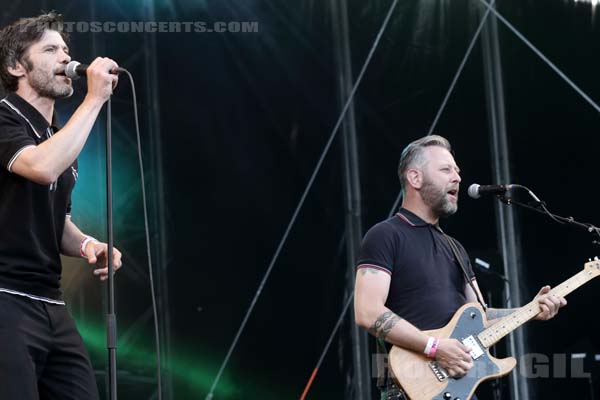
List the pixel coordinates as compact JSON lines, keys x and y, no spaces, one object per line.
{"x":399,"y":197}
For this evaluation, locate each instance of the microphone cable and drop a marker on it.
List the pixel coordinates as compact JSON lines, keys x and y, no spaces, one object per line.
{"x":147,"y":235}
{"x":394,"y":206}
{"x":587,"y":98}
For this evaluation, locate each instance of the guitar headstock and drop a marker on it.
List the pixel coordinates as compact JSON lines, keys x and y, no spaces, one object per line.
{"x":593,"y":266}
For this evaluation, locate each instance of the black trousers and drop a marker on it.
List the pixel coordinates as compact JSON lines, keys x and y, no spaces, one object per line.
{"x":42,"y":356}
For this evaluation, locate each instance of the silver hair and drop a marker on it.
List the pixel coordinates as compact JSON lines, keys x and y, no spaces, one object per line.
{"x":413,"y":155}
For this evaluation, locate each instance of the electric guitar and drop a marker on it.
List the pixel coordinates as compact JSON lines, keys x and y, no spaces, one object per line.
{"x":424,"y":379}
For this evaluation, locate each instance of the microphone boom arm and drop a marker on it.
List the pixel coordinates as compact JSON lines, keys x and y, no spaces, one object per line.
{"x":540,"y":207}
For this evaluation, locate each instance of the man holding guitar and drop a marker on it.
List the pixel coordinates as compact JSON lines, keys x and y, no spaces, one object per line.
{"x":412,"y":277}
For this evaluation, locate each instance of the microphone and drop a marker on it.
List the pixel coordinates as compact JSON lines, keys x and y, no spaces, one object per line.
{"x":75,"y":69}
{"x":475,"y":190}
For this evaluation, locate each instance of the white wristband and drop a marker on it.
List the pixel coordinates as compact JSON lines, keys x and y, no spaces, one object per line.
{"x":429,"y":345}
{"x":84,"y":243}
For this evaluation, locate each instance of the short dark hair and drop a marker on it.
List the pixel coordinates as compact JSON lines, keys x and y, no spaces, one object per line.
{"x":413,"y":154}
{"x":16,"y":38}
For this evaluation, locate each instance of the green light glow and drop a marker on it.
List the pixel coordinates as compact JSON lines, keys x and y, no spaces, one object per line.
{"x":191,"y":372}
{"x":192,"y":369}
{"x":89,"y":208}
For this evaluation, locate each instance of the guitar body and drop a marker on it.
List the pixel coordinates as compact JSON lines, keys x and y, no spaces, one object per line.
{"x":422,"y":379}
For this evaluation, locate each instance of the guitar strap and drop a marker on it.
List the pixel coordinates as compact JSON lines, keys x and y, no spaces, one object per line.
{"x":384,"y":379}
{"x":461,"y":262}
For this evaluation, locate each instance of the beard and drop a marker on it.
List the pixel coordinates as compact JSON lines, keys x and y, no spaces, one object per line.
{"x":437,"y":199}
{"x":47,"y":84}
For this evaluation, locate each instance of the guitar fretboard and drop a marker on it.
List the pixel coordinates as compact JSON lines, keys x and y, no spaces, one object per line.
{"x":506,"y":325}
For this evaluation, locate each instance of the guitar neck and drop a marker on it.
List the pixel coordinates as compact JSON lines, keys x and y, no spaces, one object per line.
{"x":506,"y":325}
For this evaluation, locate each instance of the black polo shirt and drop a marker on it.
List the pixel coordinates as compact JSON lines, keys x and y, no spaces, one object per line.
{"x":32,"y":216}
{"x":427,"y":283}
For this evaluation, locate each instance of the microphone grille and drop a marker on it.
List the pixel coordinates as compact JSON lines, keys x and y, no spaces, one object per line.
{"x":473,"y":191}
{"x":71,"y":69}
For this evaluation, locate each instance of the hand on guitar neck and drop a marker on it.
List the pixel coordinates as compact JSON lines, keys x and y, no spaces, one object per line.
{"x":454,"y":356}
{"x":549,"y":303}
{"x":421,"y":378}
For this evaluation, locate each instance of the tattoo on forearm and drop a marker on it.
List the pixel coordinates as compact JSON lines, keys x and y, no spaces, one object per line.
{"x":374,"y":329}
{"x":495,"y":313}
{"x":384,"y":324}
{"x":387,"y":327}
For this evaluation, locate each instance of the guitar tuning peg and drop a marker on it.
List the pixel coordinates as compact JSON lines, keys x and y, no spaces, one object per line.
{"x":596,"y":258}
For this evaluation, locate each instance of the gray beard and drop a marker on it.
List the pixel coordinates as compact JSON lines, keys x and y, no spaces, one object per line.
{"x":437,"y":200}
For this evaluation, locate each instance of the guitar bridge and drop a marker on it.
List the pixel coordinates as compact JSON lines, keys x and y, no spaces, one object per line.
{"x":439,"y":372}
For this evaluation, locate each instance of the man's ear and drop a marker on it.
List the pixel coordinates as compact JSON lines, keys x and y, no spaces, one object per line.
{"x":17,"y":71}
{"x":414,"y":178}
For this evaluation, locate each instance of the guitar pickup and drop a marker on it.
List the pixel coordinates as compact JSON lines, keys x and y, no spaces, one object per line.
{"x":476,"y":350}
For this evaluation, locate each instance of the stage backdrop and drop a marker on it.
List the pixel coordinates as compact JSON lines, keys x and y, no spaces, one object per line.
{"x":233,"y":124}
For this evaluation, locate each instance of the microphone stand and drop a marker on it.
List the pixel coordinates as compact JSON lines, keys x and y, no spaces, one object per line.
{"x":540,"y":207}
{"x":111,"y":319}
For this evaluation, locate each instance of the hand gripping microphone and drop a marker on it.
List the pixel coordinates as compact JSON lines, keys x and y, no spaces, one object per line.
{"x":75,"y":69}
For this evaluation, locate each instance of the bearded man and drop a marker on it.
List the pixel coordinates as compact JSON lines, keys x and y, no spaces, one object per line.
{"x":408,"y":278}
{"x":42,"y":355}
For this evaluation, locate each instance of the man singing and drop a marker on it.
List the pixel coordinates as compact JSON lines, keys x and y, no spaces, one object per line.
{"x":41,"y":353}
{"x":409,"y":279}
